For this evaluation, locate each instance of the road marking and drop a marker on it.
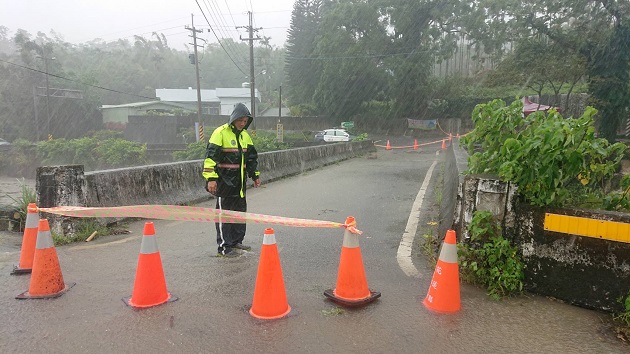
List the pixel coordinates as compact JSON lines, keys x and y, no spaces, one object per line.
{"x":404,"y":248}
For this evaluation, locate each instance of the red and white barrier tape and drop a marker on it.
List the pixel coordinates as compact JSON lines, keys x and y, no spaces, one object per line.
{"x":186,"y":213}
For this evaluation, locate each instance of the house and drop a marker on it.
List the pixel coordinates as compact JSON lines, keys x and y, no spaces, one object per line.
{"x":220,"y":101}
{"x":117,"y":116}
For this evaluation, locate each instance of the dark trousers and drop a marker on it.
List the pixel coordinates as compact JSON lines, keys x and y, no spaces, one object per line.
{"x":230,"y":234}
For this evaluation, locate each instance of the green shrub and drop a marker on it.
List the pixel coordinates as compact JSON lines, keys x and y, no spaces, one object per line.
{"x":194,"y":151}
{"x":489,"y":259}
{"x":624,"y":316}
{"x":92,"y":152}
{"x":552,"y":159}
{"x":266,"y":141}
{"x":113,"y":153}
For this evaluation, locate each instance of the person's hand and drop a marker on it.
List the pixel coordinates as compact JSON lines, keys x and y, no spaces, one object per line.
{"x":257,"y":183}
{"x":212,"y":187}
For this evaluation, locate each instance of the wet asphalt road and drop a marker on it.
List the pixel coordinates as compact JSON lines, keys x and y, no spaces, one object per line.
{"x":214,"y":294}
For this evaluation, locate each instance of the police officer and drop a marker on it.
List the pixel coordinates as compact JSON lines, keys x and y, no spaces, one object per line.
{"x":230,"y":158}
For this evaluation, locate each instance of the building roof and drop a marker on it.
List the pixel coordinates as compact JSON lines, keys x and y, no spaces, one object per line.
{"x":145,"y":104}
{"x":239,"y":92}
{"x":530,"y":107}
{"x":186,"y":95}
{"x":190,"y":94}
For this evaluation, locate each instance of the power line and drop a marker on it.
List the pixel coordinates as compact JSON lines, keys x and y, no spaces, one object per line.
{"x":77,"y":81}
{"x":217,"y":37}
{"x":216,"y":14}
{"x":135,"y":28}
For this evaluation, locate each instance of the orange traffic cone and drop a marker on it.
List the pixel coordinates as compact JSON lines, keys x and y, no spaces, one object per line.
{"x":28,"y":241}
{"x":46,"y":280}
{"x":443,"y":144}
{"x":415,"y":144}
{"x":388,"y":147}
{"x":352,"y":287}
{"x":443,"y":295}
{"x":149,"y":288}
{"x":270,"y":298}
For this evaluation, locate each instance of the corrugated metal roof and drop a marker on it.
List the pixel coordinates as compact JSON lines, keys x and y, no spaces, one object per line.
{"x":145,"y":104}
{"x":186,"y":95}
{"x":235,"y":92}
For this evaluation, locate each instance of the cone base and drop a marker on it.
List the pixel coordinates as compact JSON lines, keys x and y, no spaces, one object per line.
{"x":127,"y":301}
{"x":330,"y":293}
{"x":447,"y":311}
{"x":20,"y":271}
{"x":25,"y":295}
{"x":286,"y":313}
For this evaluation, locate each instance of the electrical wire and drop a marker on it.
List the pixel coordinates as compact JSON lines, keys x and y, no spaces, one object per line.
{"x":217,"y":37}
{"x":76,"y":81}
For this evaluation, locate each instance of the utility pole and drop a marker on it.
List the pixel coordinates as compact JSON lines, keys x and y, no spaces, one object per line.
{"x":252,"y":80}
{"x":280,"y":104}
{"x":196,"y":59}
{"x":46,"y":59}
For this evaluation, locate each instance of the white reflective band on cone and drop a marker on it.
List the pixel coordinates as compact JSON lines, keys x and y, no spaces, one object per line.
{"x":149,"y":245}
{"x":350,"y":240}
{"x":44,"y":240}
{"x":32,"y":221}
{"x":269,"y":239}
{"x":448,"y":253}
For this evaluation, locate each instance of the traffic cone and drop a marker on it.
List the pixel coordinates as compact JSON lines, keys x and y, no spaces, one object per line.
{"x":443,"y":144}
{"x":352,"y":287}
{"x":388,"y":147}
{"x":443,"y":295}
{"x":149,"y":288}
{"x":450,"y":137}
{"x":46,"y":279}
{"x":270,"y":298}
{"x":415,"y":144}
{"x":28,"y":241}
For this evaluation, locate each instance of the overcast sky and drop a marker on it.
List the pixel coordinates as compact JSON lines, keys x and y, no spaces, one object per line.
{"x":79,"y":21}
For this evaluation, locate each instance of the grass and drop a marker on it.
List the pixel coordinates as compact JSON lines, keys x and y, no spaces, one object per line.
{"x":27,"y":196}
{"x":84,"y":229}
{"x":335,"y":311}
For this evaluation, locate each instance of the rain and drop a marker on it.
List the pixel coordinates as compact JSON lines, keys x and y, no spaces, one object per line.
{"x":125,"y":84}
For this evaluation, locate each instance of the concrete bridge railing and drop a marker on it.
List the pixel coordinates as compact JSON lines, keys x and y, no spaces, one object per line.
{"x":176,"y":183}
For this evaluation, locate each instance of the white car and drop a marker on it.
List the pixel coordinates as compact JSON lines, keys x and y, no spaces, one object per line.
{"x":334,"y":135}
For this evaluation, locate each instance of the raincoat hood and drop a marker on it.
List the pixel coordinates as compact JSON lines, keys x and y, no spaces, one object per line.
{"x":241,"y":110}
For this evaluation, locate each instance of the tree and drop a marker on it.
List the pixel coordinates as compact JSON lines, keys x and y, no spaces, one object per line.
{"x":598,"y":30}
{"x":538,"y":64}
{"x":301,"y":70}
{"x":352,"y":41}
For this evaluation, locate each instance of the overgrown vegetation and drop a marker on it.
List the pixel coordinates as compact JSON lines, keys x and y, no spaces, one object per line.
{"x":102,"y":150}
{"x":554,"y":160}
{"x":27,"y":196}
{"x":623,"y":333}
{"x":429,"y":243}
{"x":624,"y":316}
{"x":85,"y":228}
{"x":490,"y":260}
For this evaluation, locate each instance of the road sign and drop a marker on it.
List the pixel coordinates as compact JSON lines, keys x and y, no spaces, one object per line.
{"x":347,"y":125}
{"x":280,"y":133}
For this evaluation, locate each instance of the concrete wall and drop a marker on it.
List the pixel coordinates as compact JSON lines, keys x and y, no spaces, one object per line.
{"x":169,"y":183}
{"x":583,"y":271}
